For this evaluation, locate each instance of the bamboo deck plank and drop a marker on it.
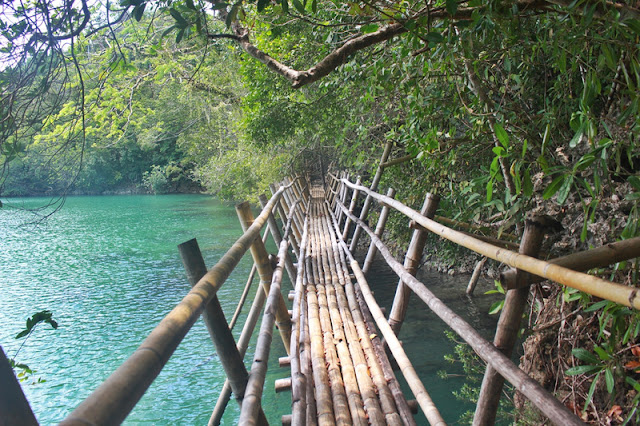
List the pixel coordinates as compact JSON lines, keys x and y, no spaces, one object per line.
{"x":346,"y":382}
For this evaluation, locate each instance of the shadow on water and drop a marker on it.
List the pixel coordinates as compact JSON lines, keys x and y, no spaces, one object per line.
{"x":423,"y":332}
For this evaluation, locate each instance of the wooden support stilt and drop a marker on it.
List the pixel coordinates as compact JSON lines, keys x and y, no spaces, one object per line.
{"x":476,"y":275}
{"x":352,"y":207}
{"x":217,"y":325}
{"x":411,"y":263}
{"x":382,"y":221}
{"x":261,"y":259}
{"x":280,"y":207}
{"x":367,"y":202}
{"x":508,"y":327}
{"x":14,"y":407}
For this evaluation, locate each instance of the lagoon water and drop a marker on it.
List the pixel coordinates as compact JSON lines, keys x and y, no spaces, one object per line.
{"x":108,"y":269}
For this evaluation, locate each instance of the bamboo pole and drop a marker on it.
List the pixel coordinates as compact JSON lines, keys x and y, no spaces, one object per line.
{"x":245,"y":291}
{"x":411,"y":263}
{"x":382,"y":222}
{"x":311,"y":411}
{"x":277,"y":238}
{"x":405,"y":411}
{"x":345,"y":289}
{"x":475,"y":276}
{"x":352,"y":391}
{"x":624,"y":295}
{"x":367,"y":202}
{"x":531,"y":389}
{"x":261,"y":259}
{"x":112,"y":401}
{"x":397,"y":161}
{"x":283,"y":212}
{"x":243,"y":344}
{"x":412,"y":378}
{"x":352,"y":206}
{"x":218,"y":328}
{"x":253,"y":393}
{"x":515,"y":303}
{"x":299,"y":383}
{"x":14,"y":407}
{"x":599,"y":257}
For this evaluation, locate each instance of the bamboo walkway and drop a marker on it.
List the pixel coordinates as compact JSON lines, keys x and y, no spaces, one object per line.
{"x":351,"y":379}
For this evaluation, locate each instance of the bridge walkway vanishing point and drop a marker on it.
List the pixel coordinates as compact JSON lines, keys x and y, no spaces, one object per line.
{"x":340,"y":373}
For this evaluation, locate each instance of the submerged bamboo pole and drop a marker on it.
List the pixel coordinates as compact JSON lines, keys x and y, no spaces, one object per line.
{"x":382,"y":222}
{"x":261,"y":259}
{"x":411,"y":263}
{"x":515,"y":303}
{"x":367,"y":202}
{"x":14,"y":407}
{"x":112,"y":401}
{"x":531,"y":389}
{"x":218,"y":328}
{"x":476,"y":275}
{"x":253,"y":393}
{"x":624,"y":295}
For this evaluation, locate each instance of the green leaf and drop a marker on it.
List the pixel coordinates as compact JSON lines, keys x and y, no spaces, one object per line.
{"x":634,"y":24}
{"x":434,"y":37}
{"x":233,"y":13}
{"x":604,"y":355}
{"x":527,"y":184}
{"x":138,"y":11}
{"x":597,"y":306}
{"x":496,"y":307}
{"x":563,"y":192}
{"x":553,"y":187}
{"x":180,"y":35}
{"x":581,"y":369}
{"x":635,"y":182}
{"x":369,"y":28}
{"x":285,"y":5}
{"x":299,"y":6}
{"x":608,"y":377}
{"x":262,"y":4}
{"x":180,"y":21}
{"x":584,"y":355}
{"x":452,"y":7}
{"x":575,"y":140}
{"x":314,"y":6}
{"x":502,"y":135}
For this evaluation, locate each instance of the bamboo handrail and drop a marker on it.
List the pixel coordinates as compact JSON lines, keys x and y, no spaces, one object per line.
{"x":415,"y":384}
{"x":624,"y":295}
{"x":542,"y":399}
{"x":114,"y":399}
{"x":253,"y":393}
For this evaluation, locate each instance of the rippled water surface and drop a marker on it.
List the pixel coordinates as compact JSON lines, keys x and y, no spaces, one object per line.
{"x":108,"y":269}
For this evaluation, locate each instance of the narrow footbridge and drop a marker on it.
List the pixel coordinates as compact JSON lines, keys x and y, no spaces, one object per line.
{"x":338,"y":339}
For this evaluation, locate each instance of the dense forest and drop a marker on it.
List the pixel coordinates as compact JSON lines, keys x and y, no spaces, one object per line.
{"x":504,"y":108}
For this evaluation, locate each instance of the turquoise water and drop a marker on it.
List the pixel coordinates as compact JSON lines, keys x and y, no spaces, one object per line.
{"x":108,"y":269}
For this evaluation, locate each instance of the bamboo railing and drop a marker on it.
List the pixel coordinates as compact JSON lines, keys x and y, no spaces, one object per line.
{"x":112,"y":401}
{"x":526,"y":269}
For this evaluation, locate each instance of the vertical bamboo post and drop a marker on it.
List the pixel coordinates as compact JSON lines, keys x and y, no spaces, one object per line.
{"x":382,"y":221}
{"x":14,"y":407}
{"x":508,"y":325}
{"x":277,"y":237}
{"x":291,"y":197}
{"x":342,"y":196}
{"x":369,"y":199}
{"x":217,"y":325}
{"x":352,"y":206}
{"x":476,"y":275}
{"x":261,"y":259}
{"x":411,"y":263}
{"x":283,"y":212}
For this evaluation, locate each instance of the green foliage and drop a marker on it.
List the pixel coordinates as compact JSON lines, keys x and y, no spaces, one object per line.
{"x":23,"y":371}
{"x":466,"y":360}
{"x":497,"y":306}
